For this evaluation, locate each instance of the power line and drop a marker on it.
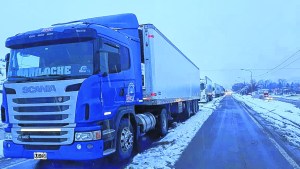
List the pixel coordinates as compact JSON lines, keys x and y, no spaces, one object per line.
{"x":290,"y":63}
{"x":284,"y":67}
{"x":257,"y":69}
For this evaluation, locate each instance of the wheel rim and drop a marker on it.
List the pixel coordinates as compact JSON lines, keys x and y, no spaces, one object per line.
{"x":126,"y":140}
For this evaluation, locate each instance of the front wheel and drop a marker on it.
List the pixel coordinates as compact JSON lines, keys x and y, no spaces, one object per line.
{"x":125,"y":140}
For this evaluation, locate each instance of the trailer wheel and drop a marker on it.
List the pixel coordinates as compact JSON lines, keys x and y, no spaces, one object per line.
{"x":125,"y":140}
{"x":196,"y":106}
{"x":162,"y":125}
{"x":187,"y":111}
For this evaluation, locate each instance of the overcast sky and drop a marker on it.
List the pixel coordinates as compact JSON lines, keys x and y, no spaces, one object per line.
{"x":220,"y":37}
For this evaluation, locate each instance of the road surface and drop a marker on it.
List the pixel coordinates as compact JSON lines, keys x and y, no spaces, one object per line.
{"x":231,"y":139}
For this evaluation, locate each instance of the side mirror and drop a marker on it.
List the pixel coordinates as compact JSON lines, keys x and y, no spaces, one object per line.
{"x":7,"y":58}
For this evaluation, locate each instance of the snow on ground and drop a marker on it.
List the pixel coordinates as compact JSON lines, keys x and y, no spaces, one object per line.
{"x":294,"y":97}
{"x":1,"y":148}
{"x":284,"y":117}
{"x":1,"y":133}
{"x":168,"y":150}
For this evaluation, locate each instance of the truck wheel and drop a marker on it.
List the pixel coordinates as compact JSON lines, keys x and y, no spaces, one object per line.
{"x":125,"y":140}
{"x":162,"y":125}
{"x":187,"y":111}
{"x":194,"y":106}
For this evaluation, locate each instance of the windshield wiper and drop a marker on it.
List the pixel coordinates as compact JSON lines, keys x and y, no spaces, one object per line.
{"x":21,"y":77}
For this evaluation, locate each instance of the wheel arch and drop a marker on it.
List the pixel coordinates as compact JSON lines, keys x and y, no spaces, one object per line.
{"x":126,"y":112}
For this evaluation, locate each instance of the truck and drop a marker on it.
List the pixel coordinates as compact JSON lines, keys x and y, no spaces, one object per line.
{"x":206,"y":88}
{"x":217,"y":90}
{"x":92,"y":88}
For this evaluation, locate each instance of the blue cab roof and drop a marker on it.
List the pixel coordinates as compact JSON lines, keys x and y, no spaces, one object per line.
{"x":126,"y":24}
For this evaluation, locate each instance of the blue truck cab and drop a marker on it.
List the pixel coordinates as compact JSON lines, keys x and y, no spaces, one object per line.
{"x":76,"y":90}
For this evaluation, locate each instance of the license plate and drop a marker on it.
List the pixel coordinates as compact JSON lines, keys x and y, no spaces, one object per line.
{"x":40,"y":156}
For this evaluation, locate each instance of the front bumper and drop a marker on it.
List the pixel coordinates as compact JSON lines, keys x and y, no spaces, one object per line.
{"x":65,"y":152}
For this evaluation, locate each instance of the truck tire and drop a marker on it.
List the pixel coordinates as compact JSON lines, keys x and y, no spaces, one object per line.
{"x":125,"y":140}
{"x":194,"y":106}
{"x":162,"y":123}
{"x":187,"y":111}
{"x":197,"y":106}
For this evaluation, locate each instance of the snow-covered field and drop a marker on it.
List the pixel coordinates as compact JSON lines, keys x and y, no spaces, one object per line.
{"x":1,"y":148}
{"x":169,"y":149}
{"x":295,"y":97}
{"x":284,"y":117}
{"x":1,"y":141}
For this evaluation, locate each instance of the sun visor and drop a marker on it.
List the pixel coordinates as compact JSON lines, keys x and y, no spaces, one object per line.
{"x":50,"y":36}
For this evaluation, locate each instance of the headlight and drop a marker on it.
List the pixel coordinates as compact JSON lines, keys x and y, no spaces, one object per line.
{"x":7,"y":136}
{"x":88,"y":136}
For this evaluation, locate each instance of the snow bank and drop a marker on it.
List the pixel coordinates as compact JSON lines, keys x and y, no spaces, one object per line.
{"x":0,"y":116}
{"x":1,"y":148}
{"x":296,"y":97}
{"x":1,"y":141}
{"x":284,"y":117}
{"x":169,"y":149}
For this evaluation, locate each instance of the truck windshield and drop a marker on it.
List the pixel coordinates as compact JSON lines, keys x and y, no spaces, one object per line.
{"x":61,"y":60}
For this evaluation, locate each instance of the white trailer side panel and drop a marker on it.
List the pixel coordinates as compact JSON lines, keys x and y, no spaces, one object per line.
{"x":169,"y":75}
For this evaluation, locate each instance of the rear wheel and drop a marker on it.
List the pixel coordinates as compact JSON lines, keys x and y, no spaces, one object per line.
{"x":162,"y":124}
{"x":187,"y":111}
{"x":125,"y":140}
{"x":196,"y":106}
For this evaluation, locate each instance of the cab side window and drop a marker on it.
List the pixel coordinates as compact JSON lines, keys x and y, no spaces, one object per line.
{"x":114,"y":58}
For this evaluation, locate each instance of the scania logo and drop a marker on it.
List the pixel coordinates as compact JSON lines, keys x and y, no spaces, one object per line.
{"x":35,"y":89}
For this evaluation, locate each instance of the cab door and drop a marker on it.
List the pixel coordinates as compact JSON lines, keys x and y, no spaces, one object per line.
{"x":113,"y":89}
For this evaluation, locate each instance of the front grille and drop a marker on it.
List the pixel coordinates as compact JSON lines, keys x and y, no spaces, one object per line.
{"x":41,"y":100}
{"x":56,"y":112}
{"x":43,"y":125}
{"x":43,"y":136}
{"x":42,"y":133}
{"x":43,"y":117}
{"x":41,"y":109}
{"x":47,"y":140}
{"x":40,"y":147}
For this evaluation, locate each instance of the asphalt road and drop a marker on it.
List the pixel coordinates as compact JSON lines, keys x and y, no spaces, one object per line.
{"x":231,"y":139}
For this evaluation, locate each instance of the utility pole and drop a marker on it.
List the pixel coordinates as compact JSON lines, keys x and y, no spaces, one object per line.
{"x":248,"y":70}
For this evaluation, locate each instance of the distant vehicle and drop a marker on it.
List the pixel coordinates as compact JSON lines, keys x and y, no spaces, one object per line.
{"x":206,"y":90}
{"x":217,"y":90}
{"x":262,"y":94}
{"x":90,"y":88}
{"x":266,"y":93}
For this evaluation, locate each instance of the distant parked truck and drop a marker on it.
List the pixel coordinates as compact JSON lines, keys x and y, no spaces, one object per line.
{"x":206,"y":90}
{"x":90,"y":88}
{"x":222,"y":91}
{"x":217,"y":90}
